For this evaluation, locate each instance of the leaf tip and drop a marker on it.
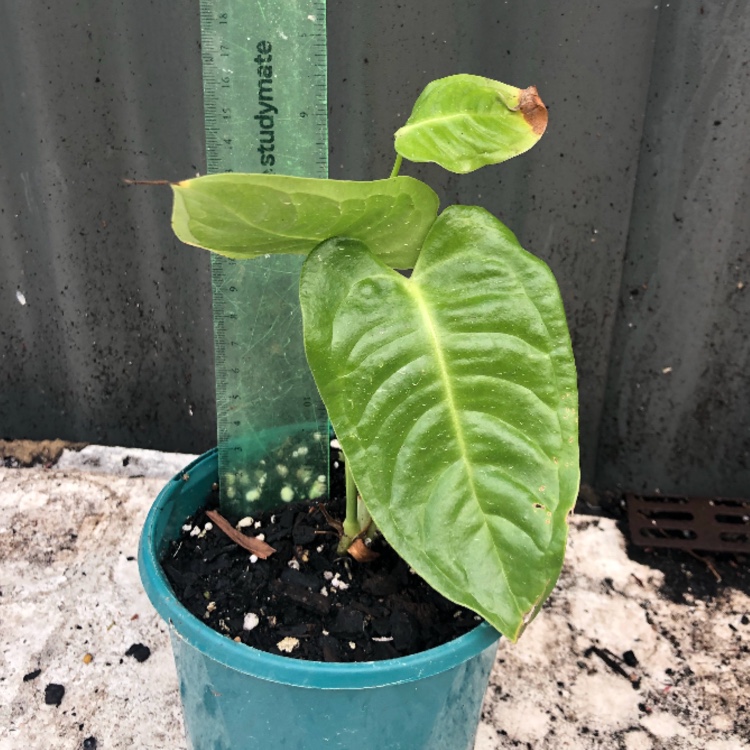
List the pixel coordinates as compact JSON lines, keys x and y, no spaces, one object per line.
{"x":533,"y":110}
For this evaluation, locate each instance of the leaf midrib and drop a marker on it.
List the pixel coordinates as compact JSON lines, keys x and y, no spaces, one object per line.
{"x":471,"y":116}
{"x":424,"y":310}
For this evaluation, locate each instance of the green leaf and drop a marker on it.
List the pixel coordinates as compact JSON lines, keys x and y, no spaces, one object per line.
{"x":453,"y":394}
{"x":465,"y":122}
{"x":250,"y":215}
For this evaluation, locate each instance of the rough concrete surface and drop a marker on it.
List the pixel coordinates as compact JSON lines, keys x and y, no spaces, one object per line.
{"x":69,"y":588}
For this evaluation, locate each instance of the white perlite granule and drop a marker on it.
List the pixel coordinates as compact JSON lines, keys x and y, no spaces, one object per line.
{"x":251,"y":621}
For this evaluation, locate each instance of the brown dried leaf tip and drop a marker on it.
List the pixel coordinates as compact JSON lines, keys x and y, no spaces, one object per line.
{"x":533,"y":109}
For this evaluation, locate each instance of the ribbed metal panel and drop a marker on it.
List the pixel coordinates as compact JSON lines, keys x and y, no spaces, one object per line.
{"x":113,"y":344}
{"x":678,"y":400}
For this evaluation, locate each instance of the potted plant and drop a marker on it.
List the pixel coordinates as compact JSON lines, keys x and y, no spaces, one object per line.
{"x":453,"y":395}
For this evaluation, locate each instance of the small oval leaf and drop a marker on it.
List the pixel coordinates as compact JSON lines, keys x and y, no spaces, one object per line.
{"x":465,"y":122}
{"x":454,"y":396}
{"x":249,"y":215}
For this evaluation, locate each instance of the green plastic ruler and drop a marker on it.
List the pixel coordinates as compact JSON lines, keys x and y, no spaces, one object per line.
{"x":265,"y":102}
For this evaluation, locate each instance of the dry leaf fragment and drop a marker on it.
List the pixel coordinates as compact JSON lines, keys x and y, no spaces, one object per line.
{"x":332,"y":522}
{"x":361,"y":552}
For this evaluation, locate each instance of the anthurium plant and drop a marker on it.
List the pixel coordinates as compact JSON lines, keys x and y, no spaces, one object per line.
{"x":452,"y":392}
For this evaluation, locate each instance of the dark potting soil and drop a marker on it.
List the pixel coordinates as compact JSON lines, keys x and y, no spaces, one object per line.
{"x":306,"y":600}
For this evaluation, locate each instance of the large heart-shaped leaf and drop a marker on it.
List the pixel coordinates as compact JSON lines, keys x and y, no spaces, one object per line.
{"x":250,"y":215}
{"x":453,"y":394}
{"x":465,"y":122}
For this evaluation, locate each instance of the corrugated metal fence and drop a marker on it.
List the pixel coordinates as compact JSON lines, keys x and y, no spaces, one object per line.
{"x":637,"y":197}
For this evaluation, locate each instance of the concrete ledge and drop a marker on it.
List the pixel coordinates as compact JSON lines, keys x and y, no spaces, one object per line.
{"x":123,"y":462}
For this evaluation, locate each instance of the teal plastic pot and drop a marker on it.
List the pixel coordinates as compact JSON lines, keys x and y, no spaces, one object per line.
{"x":238,"y":698}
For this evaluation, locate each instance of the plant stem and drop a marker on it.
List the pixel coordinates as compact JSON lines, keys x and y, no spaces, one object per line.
{"x":351,"y":522}
{"x":396,"y":166}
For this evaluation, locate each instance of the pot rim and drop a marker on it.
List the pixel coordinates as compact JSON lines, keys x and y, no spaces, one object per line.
{"x":261,"y":664}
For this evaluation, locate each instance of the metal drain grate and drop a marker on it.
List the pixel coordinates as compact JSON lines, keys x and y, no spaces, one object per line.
{"x":693,"y":523}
